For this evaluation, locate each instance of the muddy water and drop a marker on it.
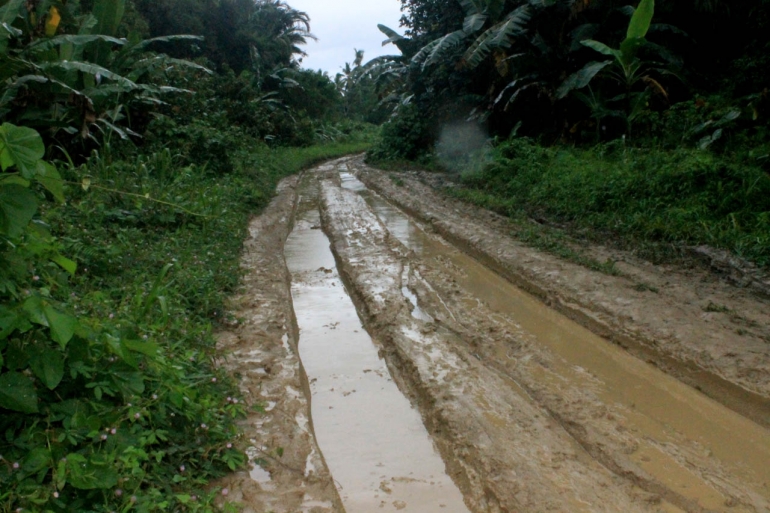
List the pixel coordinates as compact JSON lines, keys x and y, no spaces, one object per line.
{"x":678,"y":428}
{"x":373,"y":441}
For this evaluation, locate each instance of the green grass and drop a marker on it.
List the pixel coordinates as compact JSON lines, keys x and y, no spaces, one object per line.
{"x":655,"y":201}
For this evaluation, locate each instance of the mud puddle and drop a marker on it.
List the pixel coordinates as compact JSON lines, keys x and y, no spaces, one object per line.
{"x":693,"y":449}
{"x":373,"y":441}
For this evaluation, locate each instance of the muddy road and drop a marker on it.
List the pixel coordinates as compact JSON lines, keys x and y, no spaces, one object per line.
{"x":401,"y":352}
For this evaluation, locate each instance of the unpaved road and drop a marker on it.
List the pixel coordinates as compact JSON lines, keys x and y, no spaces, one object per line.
{"x":499,"y":350}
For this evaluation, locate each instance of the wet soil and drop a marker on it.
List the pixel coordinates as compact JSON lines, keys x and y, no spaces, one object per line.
{"x":542,"y":385}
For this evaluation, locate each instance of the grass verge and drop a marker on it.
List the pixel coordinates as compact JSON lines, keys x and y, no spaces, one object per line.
{"x":654,"y":201}
{"x":132,"y":413}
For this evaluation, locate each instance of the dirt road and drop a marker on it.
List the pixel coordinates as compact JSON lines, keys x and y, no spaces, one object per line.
{"x":533,"y":384}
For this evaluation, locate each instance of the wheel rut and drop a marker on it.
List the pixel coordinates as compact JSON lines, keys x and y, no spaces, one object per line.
{"x":434,"y":384}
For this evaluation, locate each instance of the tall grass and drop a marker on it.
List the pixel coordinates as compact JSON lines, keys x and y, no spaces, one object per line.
{"x":644,"y":198}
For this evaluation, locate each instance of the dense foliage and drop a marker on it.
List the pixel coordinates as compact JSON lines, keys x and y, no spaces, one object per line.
{"x":548,"y":68}
{"x":121,"y":170}
{"x":680,"y":85}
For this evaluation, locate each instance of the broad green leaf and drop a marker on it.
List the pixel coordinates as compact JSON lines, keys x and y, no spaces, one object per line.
{"x":73,"y":39}
{"x":641,"y":20}
{"x":628,"y":50}
{"x":146,"y":348}
{"x":62,"y":325}
{"x":49,"y":177}
{"x":109,"y":13}
{"x":36,"y":460}
{"x":393,"y":36}
{"x":130,"y":383}
{"x":10,"y":11}
{"x":442,"y":45}
{"x":17,"y":207}
{"x":48,"y":366}
{"x":17,"y":393}
{"x":8,"y":320}
{"x":474,"y":22}
{"x":499,"y":36}
{"x":90,"y":69}
{"x":92,"y":474}
{"x":581,"y":78}
{"x":22,"y":147}
{"x":66,"y":264}
{"x":14,"y":180}
{"x":164,"y":39}
{"x":601,"y":48}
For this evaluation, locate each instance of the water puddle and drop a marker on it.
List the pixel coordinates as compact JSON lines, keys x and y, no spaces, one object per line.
{"x":374,"y":442}
{"x":668,"y":417}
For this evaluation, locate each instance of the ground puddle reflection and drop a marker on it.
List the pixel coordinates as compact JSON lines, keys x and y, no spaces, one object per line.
{"x":374,"y":442}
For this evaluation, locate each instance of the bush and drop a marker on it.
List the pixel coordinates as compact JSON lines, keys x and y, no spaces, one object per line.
{"x":404,"y":136}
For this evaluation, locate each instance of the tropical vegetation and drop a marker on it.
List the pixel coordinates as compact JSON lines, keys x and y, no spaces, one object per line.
{"x":679,"y":89}
{"x":129,"y":143}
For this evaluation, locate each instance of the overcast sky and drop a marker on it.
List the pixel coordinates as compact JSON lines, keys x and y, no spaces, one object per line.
{"x":342,"y":25}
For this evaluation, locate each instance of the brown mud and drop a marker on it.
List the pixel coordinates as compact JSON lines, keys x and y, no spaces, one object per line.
{"x":286,"y":472}
{"x":530,"y":410}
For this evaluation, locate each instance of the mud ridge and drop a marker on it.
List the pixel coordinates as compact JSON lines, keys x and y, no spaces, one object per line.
{"x":504,"y":451}
{"x":287,"y":473}
{"x":706,"y":333}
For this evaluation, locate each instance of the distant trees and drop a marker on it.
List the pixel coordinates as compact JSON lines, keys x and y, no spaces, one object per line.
{"x":239,"y":34}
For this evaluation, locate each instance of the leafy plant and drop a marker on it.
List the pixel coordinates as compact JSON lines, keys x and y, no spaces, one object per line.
{"x":626,"y":68}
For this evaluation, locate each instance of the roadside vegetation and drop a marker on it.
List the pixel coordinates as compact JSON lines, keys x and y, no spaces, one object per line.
{"x":132,"y":159}
{"x":647,"y":125}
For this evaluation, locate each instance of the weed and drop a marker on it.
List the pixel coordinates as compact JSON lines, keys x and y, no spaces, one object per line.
{"x":644,"y":287}
{"x":713,"y":307}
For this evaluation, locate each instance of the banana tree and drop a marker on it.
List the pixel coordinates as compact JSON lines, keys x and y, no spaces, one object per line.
{"x":625,"y":66}
{"x":69,"y":74}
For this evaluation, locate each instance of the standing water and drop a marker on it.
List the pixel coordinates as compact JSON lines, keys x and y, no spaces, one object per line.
{"x":374,"y":442}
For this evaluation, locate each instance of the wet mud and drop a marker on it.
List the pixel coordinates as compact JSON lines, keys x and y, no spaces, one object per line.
{"x":428,"y":381}
{"x":373,"y":440}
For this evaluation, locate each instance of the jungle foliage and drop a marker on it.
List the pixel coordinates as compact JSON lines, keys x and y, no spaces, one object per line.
{"x":121,"y":169}
{"x":660,"y":78}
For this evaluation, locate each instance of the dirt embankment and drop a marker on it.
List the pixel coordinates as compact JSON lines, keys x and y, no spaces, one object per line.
{"x":690,"y":323}
{"x":287,"y":472}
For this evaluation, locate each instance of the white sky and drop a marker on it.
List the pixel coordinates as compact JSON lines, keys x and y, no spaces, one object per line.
{"x":342,"y":25}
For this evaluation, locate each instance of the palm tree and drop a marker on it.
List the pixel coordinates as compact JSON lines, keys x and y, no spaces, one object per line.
{"x":278,"y":31}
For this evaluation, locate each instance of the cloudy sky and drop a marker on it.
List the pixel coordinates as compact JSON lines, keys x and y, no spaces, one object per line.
{"x":342,"y":25}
